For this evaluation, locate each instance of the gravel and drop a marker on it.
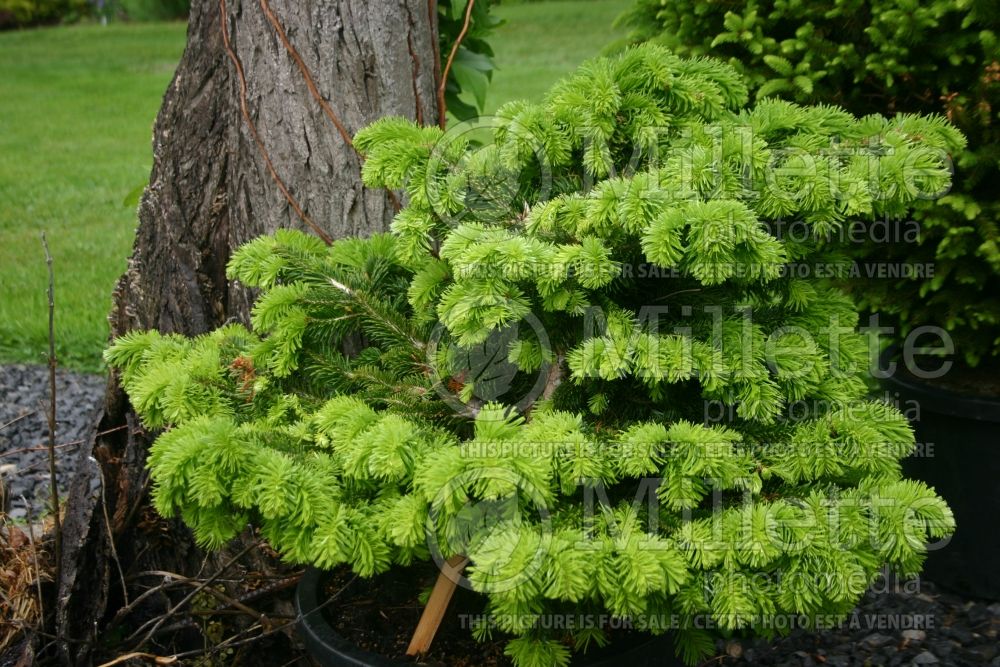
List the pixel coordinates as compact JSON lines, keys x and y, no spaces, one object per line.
{"x":896,"y":623}
{"x":900,"y":623}
{"x":24,"y":432}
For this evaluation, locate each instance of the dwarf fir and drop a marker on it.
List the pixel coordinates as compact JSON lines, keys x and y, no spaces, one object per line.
{"x":521,"y":370}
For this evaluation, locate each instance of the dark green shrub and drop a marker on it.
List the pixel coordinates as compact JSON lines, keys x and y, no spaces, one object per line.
{"x":22,"y":13}
{"x":154,"y":10}
{"x":882,"y":56}
{"x":472,"y":68}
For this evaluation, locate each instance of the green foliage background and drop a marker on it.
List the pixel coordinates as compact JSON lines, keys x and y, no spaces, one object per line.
{"x":881,"y":56}
{"x":151,"y":10}
{"x":472,"y":68}
{"x":18,"y":13}
{"x":24,"y":13}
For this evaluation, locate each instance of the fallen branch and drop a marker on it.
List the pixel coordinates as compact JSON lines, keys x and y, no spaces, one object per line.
{"x":160,"y":620}
{"x":157,"y":659}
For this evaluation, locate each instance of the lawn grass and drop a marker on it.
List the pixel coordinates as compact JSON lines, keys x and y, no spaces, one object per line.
{"x":541,"y":42}
{"x":76,"y":111}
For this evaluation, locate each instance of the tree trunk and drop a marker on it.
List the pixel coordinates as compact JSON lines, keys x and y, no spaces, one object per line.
{"x":240,"y":143}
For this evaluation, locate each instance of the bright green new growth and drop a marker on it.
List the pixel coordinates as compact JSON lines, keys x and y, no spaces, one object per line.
{"x":882,"y":56}
{"x":616,"y":293}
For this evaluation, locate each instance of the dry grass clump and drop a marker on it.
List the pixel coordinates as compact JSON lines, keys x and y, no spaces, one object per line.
{"x":24,"y":566}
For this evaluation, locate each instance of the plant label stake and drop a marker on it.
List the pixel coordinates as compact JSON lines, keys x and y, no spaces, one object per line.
{"x":433,"y":614}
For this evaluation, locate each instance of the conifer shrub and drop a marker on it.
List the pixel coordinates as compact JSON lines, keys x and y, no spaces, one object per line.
{"x":576,"y":358}
{"x":882,"y":56}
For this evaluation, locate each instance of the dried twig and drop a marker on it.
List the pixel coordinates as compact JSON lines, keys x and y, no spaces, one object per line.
{"x":270,"y":589}
{"x":34,"y":557}
{"x":53,"y":483}
{"x":157,"y":659}
{"x":111,"y":533}
{"x":236,"y":641}
{"x":17,"y":419}
{"x":218,"y":595}
{"x":71,"y":443}
{"x":160,"y":620}
{"x":169,"y":580}
{"x":128,"y":608}
{"x":45,"y":448}
{"x":442,"y":107}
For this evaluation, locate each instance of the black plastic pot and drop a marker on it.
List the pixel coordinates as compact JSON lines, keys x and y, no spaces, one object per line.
{"x":332,"y":650}
{"x":964,"y":467}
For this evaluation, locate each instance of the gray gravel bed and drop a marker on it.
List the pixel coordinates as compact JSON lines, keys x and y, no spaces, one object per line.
{"x":24,"y":432}
{"x":902,"y":624}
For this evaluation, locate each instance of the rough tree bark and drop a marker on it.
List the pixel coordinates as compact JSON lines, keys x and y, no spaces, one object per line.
{"x":210,"y":190}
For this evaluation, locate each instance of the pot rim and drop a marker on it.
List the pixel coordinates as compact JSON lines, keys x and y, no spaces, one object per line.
{"x":938,"y":399}
{"x":326,"y":644}
{"x":320,"y":635}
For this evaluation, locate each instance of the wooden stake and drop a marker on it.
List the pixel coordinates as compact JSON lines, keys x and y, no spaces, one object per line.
{"x":437,"y":605}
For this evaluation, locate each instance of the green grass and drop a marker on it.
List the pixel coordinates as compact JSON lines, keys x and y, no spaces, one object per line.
{"x":541,"y":42}
{"x":76,"y":111}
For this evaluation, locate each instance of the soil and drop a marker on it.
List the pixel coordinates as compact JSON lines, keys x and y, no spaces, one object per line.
{"x":380,"y":614}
